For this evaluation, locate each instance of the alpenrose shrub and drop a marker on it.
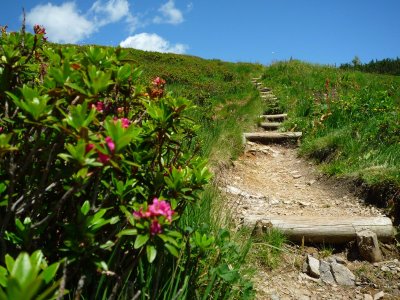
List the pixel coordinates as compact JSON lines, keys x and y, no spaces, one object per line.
{"x":94,"y":169}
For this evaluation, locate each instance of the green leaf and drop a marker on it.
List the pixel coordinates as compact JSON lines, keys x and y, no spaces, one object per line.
{"x":9,"y":262}
{"x":49,"y":273}
{"x":127,"y":232}
{"x":3,"y":276}
{"x":76,"y":87}
{"x":141,"y":240}
{"x":37,"y":259}
{"x":124,"y":72}
{"x":22,"y":269}
{"x":171,"y":249}
{"x":19,"y":225}
{"x":226,"y":274}
{"x":107,"y":245}
{"x":128,"y":215}
{"x":151,"y":253}
{"x":85,"y":208}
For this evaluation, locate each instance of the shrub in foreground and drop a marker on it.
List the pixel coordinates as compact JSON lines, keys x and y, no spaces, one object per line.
{"x":95,"y":171}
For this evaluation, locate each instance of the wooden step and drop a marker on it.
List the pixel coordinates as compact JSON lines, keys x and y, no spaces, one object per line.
{"x":265,"y":90}
{"x":271,"y":98}
{"x":324,"y":229}
{"x":271,"y":137}
{"x":274,"y":117}
{"x":270,"y":125}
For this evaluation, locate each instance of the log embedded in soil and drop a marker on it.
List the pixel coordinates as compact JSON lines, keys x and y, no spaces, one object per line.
{"x":270,"y":137}
{"x":274,"y":117}
{"x":329,"y":230}
{"x":270,"y":125}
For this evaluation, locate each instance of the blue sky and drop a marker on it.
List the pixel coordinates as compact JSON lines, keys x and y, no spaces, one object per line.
{"x":319,"y":31}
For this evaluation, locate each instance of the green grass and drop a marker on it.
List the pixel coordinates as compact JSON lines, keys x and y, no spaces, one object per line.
{"x":267,"y":249}
{"x":350,"y":120}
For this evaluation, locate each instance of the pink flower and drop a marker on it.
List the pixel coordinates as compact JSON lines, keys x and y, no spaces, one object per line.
{"x":158,"y":81}
{"x":155,"y":210}
{"x":103,"y":158}
{"x":125,"y":122}
{"x":120,"y":110}
{"x":89,"y":148}
{"x":110,"y":144}
{"x":161,"y":208}
{"x":99,"y":106}
{"x":39,"y":29}
{"x":155,"y":227}
{"x":1,"y":129}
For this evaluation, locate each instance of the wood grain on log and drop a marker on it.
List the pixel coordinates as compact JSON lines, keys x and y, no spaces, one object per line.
{"x":268,"y":137}
{"x":333,"y":230}
{"x":274,"y":117}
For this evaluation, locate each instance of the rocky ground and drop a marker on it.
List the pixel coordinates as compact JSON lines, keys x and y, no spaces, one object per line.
{"x":272,"y":180}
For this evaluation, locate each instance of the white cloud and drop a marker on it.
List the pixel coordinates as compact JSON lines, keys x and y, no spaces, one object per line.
{"x":152,"y":42}
{"x":170,"y":14}
{"x":63,"y":23}
{"x":110,"y":12}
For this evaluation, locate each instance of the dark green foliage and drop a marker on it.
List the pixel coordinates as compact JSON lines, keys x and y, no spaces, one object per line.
{"x":89,"y":137}
{"x":389,"y":66}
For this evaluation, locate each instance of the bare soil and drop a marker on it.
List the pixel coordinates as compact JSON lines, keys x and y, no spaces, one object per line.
{"x":272,"y":180}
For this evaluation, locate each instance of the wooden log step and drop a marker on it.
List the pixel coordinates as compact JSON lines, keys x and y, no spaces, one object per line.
{"x":270,"y":125}
{"x":274,"y":117}
{"x":265,"y":90}
{"x":270,"y":137}
{"x":328,"y":230}
{"x":272,"y":98}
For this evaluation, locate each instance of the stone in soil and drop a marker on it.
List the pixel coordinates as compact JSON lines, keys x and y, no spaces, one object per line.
{"x":342,"y":275}
{"x":325,"y":271}
{"x":313,"y":266}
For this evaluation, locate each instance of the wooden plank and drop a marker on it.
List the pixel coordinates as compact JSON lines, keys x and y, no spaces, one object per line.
{"x":270,"y":137}
{"x":270,"y":125}
{"x":321,"y":229}
{"x":274,"y":117}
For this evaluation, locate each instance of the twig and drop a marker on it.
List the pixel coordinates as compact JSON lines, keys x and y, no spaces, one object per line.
{"x":61,"y":290}
{"x":64,"y":198}
{"x":81,"y":283}
{"x":137,"y":295}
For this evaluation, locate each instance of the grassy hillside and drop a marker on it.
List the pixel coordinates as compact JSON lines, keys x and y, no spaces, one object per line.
{"x":221,"y":91}
{"x":350,"y":120}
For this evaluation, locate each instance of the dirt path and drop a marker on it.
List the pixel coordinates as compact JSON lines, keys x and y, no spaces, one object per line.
{"x":273,"y":180}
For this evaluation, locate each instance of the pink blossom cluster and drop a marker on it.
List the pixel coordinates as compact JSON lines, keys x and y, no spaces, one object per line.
{"x":158,"y":81}
{"x":99,"y":106}
{"x":103,"y":157}
{"x":38,"y":29}
{"x":156,"y":209}
{"x":124,"y":122}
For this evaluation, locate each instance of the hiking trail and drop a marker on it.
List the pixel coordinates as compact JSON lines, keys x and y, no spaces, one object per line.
{"x":270,"y":179}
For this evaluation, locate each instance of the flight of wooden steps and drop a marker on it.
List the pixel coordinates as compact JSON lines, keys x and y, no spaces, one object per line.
{"x":338,"y":229}
{"x":271,"y":123}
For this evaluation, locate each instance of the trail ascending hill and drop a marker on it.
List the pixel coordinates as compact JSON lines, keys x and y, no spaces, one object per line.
{"x":271,"y":180}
